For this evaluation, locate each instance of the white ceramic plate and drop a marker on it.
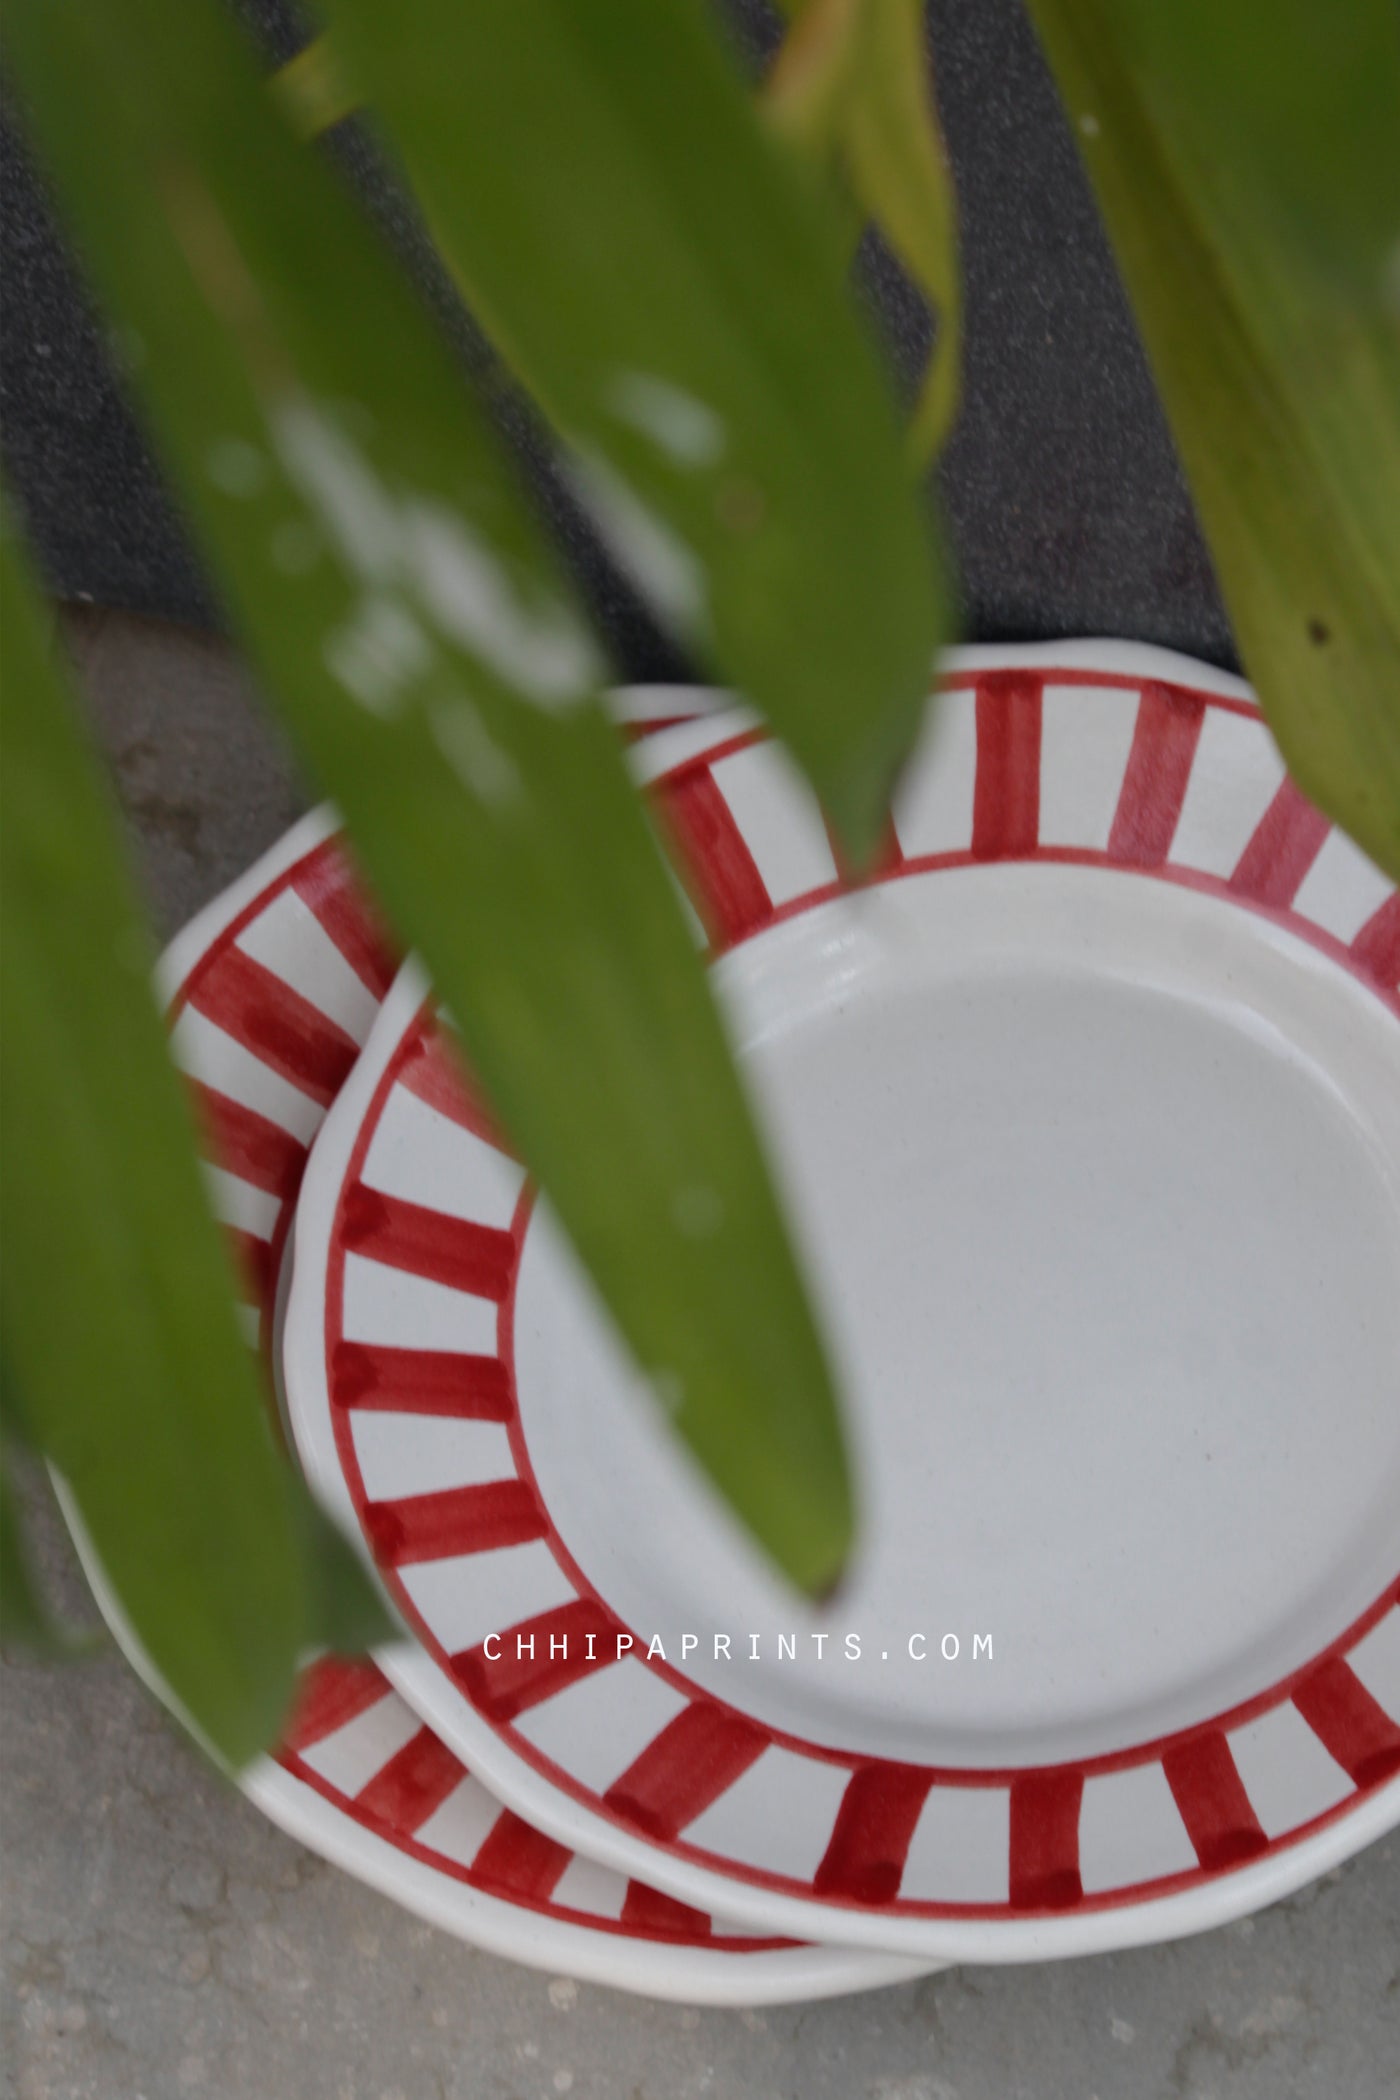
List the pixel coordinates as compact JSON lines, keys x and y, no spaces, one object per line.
{"x":270,"y":992}
{"x":1088,"y":1112}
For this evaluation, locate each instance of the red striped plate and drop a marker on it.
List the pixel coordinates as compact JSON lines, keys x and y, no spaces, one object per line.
{"x":1087,"y":1111}
{"x":270,"y":992}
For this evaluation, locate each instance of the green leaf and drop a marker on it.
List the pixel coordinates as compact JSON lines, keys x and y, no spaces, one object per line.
{"x":119,"y":1325}
{"x":1306,"y":99}
{"x":348,"y":1610}
{"x":313,"y":89}
{"x":850,"y":86}
{"x":809,"y":84}
{"x":1282,"y":386}
{"x":899,"y":171}
{"x":392,"y":585}
{"x":664,"y":283}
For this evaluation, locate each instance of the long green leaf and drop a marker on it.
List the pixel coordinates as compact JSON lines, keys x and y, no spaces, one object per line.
{"x":391,"y":583}
{"x":1306,"y":99}
{"x":662,"y":281}
{"x":850,"y":87}
{"x":899,"y":171}
{"x":120,"y":1333}
{"x":1280,"y":377}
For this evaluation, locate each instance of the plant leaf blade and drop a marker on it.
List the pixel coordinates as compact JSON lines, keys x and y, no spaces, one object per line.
{"x":390,"y":581}
{"x":120,"y":1332}
{"x":664,"y":284}
{"x":1283,"y":391}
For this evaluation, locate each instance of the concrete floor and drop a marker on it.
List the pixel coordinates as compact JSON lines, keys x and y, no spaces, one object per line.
{"x":162,"y":1940}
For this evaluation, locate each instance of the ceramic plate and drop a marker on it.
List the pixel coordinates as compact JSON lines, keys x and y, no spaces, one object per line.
{"x":270,"y":992}
{"x":1087,"y":1113}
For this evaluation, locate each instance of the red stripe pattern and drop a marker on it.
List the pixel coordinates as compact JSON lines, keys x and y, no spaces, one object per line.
{"x":695,"y":1758}
{"x":1165,"y":737}
{"x":416,"y":1781}
{"x":452,"y":1251}
{"x":1215,"y":1808}
{"x":721,"y":873}
{"x":647,"y":1910}
{"x":420,"y":1382}
{"x":1045,"y":1840}
{"x":879,"y":1811}
{"x":538,"y":1659}
{"x":479,"y":1519}
{"x":1377,"y":946}
{"x":331,"y":1694}
{"x":326,"y":887}
{"x":1006,"y":797}
{"x":435,"y":1075}
{"x":1353,"y":1727}
{"x":1287,"y":842}
{"x":247,"y":1144}
{"x":276,"y":1025}
{"x":519,"y":1862}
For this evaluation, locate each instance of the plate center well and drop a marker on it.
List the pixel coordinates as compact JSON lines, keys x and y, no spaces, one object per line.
{"x":1097,"y":1180}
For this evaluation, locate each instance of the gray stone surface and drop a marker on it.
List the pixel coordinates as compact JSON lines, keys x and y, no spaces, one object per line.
{"x":162,"y":1941}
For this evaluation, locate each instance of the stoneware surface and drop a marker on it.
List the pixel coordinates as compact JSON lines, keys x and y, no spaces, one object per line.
{"x":162,"y":1938}
{"x":1087,"y":1115}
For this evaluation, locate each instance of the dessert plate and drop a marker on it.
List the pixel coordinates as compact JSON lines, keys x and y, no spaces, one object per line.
{"x":270,"y":991}
{"x":1087,"y":1109}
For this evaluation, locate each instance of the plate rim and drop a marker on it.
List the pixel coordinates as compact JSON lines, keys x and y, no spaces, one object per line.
{"x":545,"y":1935}
{"x":1213,"y":1895}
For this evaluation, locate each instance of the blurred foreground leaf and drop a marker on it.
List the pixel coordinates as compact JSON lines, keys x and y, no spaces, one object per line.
{"x":661,"y":280}
{"x":851,"y":84}
{"x":1280,"y":374}
{"x":390,"y":582}
{"x":120,"y":1333}
{"x":1304,"y":98}
{"x":313,"y":89}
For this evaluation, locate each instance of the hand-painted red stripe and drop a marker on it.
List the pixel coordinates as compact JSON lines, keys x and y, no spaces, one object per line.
{"x":417,"y":1779}
{"x":326,"y":885}
{"x":436,"y":1074}
{"x":1165,"y":737}
{"x":276,"y":1024}
{"x":721,"y":873}
{"x":1377,"y":947}
{"x":252,"y":1258}
{"x":421,"y":1382}
{"x":1353,"y":1727}
{"x":1006,"y":795}
{"x":517,"y":1680}
{"x":246,"y":1144}
{"x":452,"y":1251}
{"x":696,"y":1758}
{"x":519,"y":1861}
{"x":1045,"y":1840}
{"x":1209,"y":1792}
{"x":870,"y":1843}
{"x":645,"y":1909}
{"x":329,"y":1694}
{"x":1286,"y":841}
{"x":874,"y":1825}
{"x":478,"y":1519}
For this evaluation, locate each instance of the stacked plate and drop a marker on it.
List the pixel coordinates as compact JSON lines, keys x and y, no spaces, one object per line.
{"x":1086,"y":1109}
